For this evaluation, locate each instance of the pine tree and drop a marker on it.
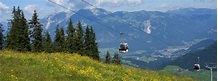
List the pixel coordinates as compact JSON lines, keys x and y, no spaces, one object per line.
{"x":116,"y":59}
{"x":94,"y":45}
{"x":59,"y":42}
{"x":69,"y":39}
{"x":87,"y":43}
{"x":108,"y":58}
{"x":25,"y":40}
{"x":12,"y":37}
{"x":56,"y":44}
{"x":1,"y":37}
{"x":18,"y":38}
{"x":78,"y":39}
{"x":90,"y":46}
{"x":62,"y":40}
{"x":47,"y":43}
{"x":36,"y":33}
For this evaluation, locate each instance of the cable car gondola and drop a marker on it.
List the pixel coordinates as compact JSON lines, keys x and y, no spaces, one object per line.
{"x":123,"y":48}
{"x":197,"y":66}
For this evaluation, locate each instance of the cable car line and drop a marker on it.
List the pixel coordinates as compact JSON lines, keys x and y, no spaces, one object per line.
{"x":130,"y":24}
{"x":99,"y":23}
{"x":115,"y":29}
{"x":80,"y":14}
{"x":138,"y":28}
{"x":135,"y":28}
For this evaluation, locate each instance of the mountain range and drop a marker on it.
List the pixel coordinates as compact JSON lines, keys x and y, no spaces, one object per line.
{"x":143,"y":30}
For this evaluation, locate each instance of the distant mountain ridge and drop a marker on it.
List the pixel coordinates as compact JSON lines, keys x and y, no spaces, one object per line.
{"x":193,"y":11}
{"x":143,"y":30}
{"x":161,"y":29}
{"x":201,"y":45}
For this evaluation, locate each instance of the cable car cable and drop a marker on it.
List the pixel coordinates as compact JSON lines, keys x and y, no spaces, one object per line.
{"x":98,"y":22}
{"x":130,"y":24}
{"x":126,"y":21}
{"x":92,"y":19}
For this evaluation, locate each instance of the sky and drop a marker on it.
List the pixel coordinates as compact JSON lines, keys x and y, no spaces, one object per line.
{"x":45,"y":8}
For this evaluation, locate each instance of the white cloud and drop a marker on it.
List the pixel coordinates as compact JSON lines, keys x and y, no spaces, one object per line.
{"x":133,"y":5}
{"x":164,"y":5}
{"x":112,"y":3}
{"x":3,"y":9}
{"x":29,"y":9}
{"x":135,"y":2}
{"x":60,"y":2}
{"x":109,"y":2}
{"x":55,"y":8}
{"x":3,"y":6}
{"x":168,"y":6}
{"x":79,"y":4}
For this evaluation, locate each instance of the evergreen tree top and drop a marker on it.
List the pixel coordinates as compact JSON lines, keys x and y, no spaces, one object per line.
{"x":35,"y":20}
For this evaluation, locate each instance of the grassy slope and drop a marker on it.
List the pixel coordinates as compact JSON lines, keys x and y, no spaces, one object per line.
{"x":57,"y":66}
